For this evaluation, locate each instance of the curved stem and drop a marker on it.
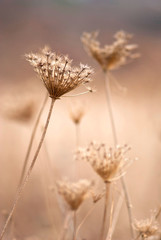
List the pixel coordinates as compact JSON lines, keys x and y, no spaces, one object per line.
{"x":105,"y":212}
{"x":25,"y":180}
{"x":127,"y":198}
{"x":32,"y":139}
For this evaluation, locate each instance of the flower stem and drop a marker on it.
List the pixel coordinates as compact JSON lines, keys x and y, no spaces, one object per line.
{"x":31,"y":140}
{"x":25,"y":180}
{"x":74,"y":225}
{"x":77,"y":134}
{"x":105,"y":211}
{"x":113,"y":126}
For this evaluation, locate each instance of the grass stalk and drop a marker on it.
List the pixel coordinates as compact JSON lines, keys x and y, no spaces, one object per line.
{"x":32,"y":139}
{"x":74,"y":225}
{"x":114,"y":132}
{"x":25,"y":180}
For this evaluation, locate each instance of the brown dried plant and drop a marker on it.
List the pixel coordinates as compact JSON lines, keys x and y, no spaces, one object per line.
{"x":147,"y":228}
{"x":110,"y":57}
{"x":108,"y":163}
{"x":74,"y":194}
{"x":76,"y":111}
{"x":57,"y":73}
{"x":59,"y":78}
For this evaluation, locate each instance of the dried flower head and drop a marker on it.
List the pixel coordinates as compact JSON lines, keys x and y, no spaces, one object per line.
{"x":109,"y":163}
{"x":18,"y":108}
{"x":74,"y":193}
{"x":56,"y":72}
{"x":147,"y":227}
{"x":112,"y":56}
{"x":76,"y":111}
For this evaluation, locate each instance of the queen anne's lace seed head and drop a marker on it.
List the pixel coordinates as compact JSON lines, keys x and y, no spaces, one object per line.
{"x":57,"y":73}
{"x":77,"y":111}
{"x":74,"y":193}
{"x":112,"y":56}
{"x":147,"y":227}
{"x":109,"y":163}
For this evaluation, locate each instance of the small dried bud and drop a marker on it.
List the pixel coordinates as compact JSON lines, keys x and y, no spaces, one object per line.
{"x":56,"y":72}
{"x":112,"y":56}
{"x":77,"y":112}
{"x":74,"y":193}
{"x":109,"y":163}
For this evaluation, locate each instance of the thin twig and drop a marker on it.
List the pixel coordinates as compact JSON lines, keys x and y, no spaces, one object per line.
{"x":127,"y":198}
{"x":32,"y":139}
{"x":23,"y":184}
{"x":105,"y":211}
{"x":74,"y":225}
{"x":115,"y":217}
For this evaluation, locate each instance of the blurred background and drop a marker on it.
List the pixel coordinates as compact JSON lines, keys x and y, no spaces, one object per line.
{"x":27,"y":26}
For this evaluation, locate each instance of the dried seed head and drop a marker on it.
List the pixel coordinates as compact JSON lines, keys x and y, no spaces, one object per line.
{"x":56,"y":72}
{"x":77,"y":112}
{"x":18,"y":108}
{"x":74,"y":193}
{"x":147,"y":227}
{"x":112,"y":56}
{"x":109,"y":163}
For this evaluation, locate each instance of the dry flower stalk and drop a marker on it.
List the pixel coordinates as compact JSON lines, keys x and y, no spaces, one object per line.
{"x":56,"y":72}
{"x":74,"y":193}
{"x":110,"y":57}
{"x":147,"y":227}
{"x":59,"y":77}
{"x":108,"y":163}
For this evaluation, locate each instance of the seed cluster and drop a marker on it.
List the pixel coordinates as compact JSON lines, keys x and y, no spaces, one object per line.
{"x":57,"y":74}
{"x":109,"y":163}
{"x":112,"y":56}
{"x":74,"y":193}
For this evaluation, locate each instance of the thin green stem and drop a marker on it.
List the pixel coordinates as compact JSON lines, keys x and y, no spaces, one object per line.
{"x":105,"y":211}
{"x":114,"y":132}
{"x":25,"y":180}
{"x":32,"y":139}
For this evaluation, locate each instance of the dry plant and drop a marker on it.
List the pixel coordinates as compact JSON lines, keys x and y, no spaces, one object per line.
{"x":59,"y":78}
{"x":110,"y":164}
{"x":147,"y":228}
{"x":77,"y":112}
{"x":74,"y":194}
{"x":111,"y":57}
